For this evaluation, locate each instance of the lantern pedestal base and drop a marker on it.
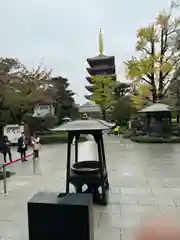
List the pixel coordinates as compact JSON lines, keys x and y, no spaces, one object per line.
{"x":65,"y":217}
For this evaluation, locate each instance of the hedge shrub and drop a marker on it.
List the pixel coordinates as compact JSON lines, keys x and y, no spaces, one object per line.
{"x":149,"y":139}
{"x":122,"y":129}
{"x":58,"y":138}
{"x":128,"y":133}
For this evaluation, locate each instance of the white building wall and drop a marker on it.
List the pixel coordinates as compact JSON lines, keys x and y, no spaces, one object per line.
{"x":42,"y":110}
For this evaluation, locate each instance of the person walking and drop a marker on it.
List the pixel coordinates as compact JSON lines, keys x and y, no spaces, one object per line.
{"x":5,"y":149}
{"x":23,"y":146}
{"x":36,"y":146}
{"x":116,"y":130}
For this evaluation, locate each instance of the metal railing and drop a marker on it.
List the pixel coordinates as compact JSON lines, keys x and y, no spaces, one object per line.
{"x":4,"y":170}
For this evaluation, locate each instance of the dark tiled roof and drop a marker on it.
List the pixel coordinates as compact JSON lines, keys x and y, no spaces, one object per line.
{"x":157,"y":107}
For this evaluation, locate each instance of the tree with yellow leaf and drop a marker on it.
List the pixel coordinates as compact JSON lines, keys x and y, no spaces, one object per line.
{"x":103,"y":92}
{"x":159,"y":55}
{"x":140,"y":94}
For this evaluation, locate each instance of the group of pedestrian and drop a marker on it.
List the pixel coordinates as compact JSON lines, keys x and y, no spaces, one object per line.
{"x":22,"y":147}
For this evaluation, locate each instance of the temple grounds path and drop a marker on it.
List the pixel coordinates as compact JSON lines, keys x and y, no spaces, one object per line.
{"x":144,"y":182}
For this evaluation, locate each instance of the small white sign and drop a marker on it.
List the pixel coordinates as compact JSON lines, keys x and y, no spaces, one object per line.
{"x":13,"y":132}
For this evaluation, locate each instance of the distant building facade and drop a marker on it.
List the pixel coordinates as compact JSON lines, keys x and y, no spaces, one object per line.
{"x":92,"y":110}
{"x":41,"y":110}
{"x":44,"y":106}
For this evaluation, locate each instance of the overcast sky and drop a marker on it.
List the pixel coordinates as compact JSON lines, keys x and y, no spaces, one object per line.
{"x":63,"y":33}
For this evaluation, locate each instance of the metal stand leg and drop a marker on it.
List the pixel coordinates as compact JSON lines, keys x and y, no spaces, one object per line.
{"x":78,"y":188}
{"x":104,"y":161}
{"x":34,"y":164}
{"x":104,"y":195}
{"x":4,"y":179}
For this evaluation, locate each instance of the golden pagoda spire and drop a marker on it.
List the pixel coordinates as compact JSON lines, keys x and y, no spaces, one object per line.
{"x":101,"y":48}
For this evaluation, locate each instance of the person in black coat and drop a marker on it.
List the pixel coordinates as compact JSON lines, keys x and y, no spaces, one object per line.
{"x":5,"y":148}
{"x":23,"y":146}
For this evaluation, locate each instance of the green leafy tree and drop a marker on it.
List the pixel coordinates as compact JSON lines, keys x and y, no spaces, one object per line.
{"x":123,"y":110}
{"x":40,"y":124}
{"x":64,"y":98}
{"x":8,"y":69}
{"x":103,"y":92}
{"x":159,"y":54}
{"x":122,"y":89}
{"x":19,"y":90}
{"x":173,"y":97}
{"x":25,"y":89}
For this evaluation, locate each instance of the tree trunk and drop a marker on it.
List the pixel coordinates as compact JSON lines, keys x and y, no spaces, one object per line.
{"x":160,"y":91}
{"x":104,"y":114}
{"x":178,"y":117}
{"x":154,"y":95}
{"x":1,"y":131}
{"x":154,"y":92}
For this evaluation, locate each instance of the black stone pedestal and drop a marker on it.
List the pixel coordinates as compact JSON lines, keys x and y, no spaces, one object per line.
{"x":66,"y":218}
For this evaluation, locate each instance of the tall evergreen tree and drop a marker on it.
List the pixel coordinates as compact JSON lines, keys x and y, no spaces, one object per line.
{"x":64,"y":98}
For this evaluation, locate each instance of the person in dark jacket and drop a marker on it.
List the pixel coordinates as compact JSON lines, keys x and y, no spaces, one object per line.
{"x":5,"y":148}
{"x":23,"y":146}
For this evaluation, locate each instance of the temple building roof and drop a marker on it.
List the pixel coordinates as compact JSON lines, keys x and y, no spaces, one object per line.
{"x":89,"y":88}
{"x":88,"y":97}
{"x":101,"y":59}
{"x":157,"y":107}
{"x":89,"y":108}
{"x":100,"y":65}
{"x":101,"y":70}
{"x":89,"y":79}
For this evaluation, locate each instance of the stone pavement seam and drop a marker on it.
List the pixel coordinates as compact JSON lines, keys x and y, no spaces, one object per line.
{"x":142,"y":186}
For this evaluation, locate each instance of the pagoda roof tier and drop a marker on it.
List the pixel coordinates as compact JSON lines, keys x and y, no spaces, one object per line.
{"x":89,"y":79}
{"x":101,"y":70}
{"x":101,"y":60}
{"x":89,"y":97}
{"x":89,"y":88}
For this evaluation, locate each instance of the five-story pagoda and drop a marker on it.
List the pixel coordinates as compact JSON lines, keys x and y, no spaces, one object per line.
{"x":100,"y":65}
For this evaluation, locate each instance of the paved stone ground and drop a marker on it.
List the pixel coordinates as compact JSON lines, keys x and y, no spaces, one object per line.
{"x":144,"y":181}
